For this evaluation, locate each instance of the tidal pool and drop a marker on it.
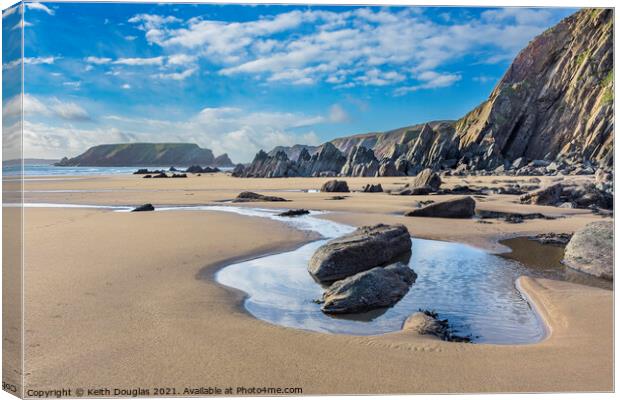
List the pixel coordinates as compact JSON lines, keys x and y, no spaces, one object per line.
{"x":474,"y":290}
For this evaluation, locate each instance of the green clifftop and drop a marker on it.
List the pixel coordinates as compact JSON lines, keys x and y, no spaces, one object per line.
{"x":144,"y":154}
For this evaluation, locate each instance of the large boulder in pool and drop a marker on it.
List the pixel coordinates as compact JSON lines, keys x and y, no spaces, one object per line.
{"x":335,"y":186}
{"x":365,"y":248}
{"x":462,"y":207}
{"x":591,"y":250}
{"x":376,"y":288}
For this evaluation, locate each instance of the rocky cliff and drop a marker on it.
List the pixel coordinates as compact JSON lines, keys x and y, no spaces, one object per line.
{"x":554,"y":105}
{"x":145,"y":154}
{"x":555,"y":100}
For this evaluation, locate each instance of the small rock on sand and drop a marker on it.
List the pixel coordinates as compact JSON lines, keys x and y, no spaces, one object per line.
{"x":463,"y":207}
{"x":294,"y":213}
{"x":335,"y":186}
{"x":144,"y":207}
{"x":245,"y":197}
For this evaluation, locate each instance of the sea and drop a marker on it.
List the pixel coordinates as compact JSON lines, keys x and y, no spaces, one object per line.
{"x":51,"y":170}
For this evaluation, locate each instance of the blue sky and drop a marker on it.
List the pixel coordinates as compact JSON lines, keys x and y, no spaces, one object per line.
{"x":239,"y":78}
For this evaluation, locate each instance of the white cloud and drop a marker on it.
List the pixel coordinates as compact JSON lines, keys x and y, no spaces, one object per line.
{"x":50,"y":107}
{"x":181,"y":59}
{"x":430,"y":80}
{"x":236,"y":131}
{"x":140,"y":61}
{"x":39,"y":7}
{"x":372,"y":47}
{"x":177,"y":76}
{"x":69,"y":111}
{"x":98,"y":60}
{"x":39,"y":60}
{"x":10,"y":11}
{"x":73,"y":84}
{"x":12,"y":64}
{"x":338,"y":114}
{"x":126,"y":86}
{"x":21,"y":25}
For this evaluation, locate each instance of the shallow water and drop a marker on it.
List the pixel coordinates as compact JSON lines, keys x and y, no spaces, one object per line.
{"x":545,"y":261}
{"x":473,"y":289}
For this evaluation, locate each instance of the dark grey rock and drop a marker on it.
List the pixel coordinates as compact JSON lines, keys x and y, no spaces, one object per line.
{"x":365,"y":248}
{"x":245,"y":197}
{"x":144,"y":207}
{"x":335,"y":186}
{"x":294,"y":213}
{"x":376,"y":288}
{"x":463,"y":207}
{"x":370,"y":188}
{"x":547,"y":196}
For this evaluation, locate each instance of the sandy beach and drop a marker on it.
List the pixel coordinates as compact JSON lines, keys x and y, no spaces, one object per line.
{"x":128,"y":300}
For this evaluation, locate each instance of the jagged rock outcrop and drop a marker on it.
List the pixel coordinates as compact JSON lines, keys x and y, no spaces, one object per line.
{"x":551,"y":113}
{"x":328,"y":161}
{"x":555,"y":100}
{"x":223,"y":161}
{"x":361,"y":162}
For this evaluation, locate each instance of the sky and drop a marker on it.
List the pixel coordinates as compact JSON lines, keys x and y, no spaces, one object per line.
{"x":239,"y":78}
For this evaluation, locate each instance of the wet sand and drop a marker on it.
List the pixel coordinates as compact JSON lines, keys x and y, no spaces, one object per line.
{"x":114,"y":299}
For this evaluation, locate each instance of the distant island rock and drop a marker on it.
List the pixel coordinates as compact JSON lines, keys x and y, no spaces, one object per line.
{"x":551,"y":113}
{"x":146,"y":154}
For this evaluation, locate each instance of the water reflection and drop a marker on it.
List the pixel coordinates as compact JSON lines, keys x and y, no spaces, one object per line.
{"x":473,"y":289}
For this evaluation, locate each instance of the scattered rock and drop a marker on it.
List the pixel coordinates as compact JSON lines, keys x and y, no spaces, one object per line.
{"x":365,"y":248}
{"x":463,"y":207}
{"x":147,"y":176}
{"x":427,"y":177}
{"x":142,"y":171}
{"x":179,"y":176}
{"x":591,"y":250}
{"x":337,"y":198}
{"x":560,"y":239}
{"x":294,"y":213}
{"x":547,"y":196}
{"x":372,"y":188}
{"x":376,"y":288}
{"x":245,"y":197}
{"x":160,"y":175}
{"x":510,"y":217}
{"x":144,"y":207}
{"x":238,"y":171}
{"x":428,"y":323}
{"x":335,"y":186}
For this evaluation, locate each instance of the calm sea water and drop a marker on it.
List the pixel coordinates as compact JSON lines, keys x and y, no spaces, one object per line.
{"x":50,"y":170}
